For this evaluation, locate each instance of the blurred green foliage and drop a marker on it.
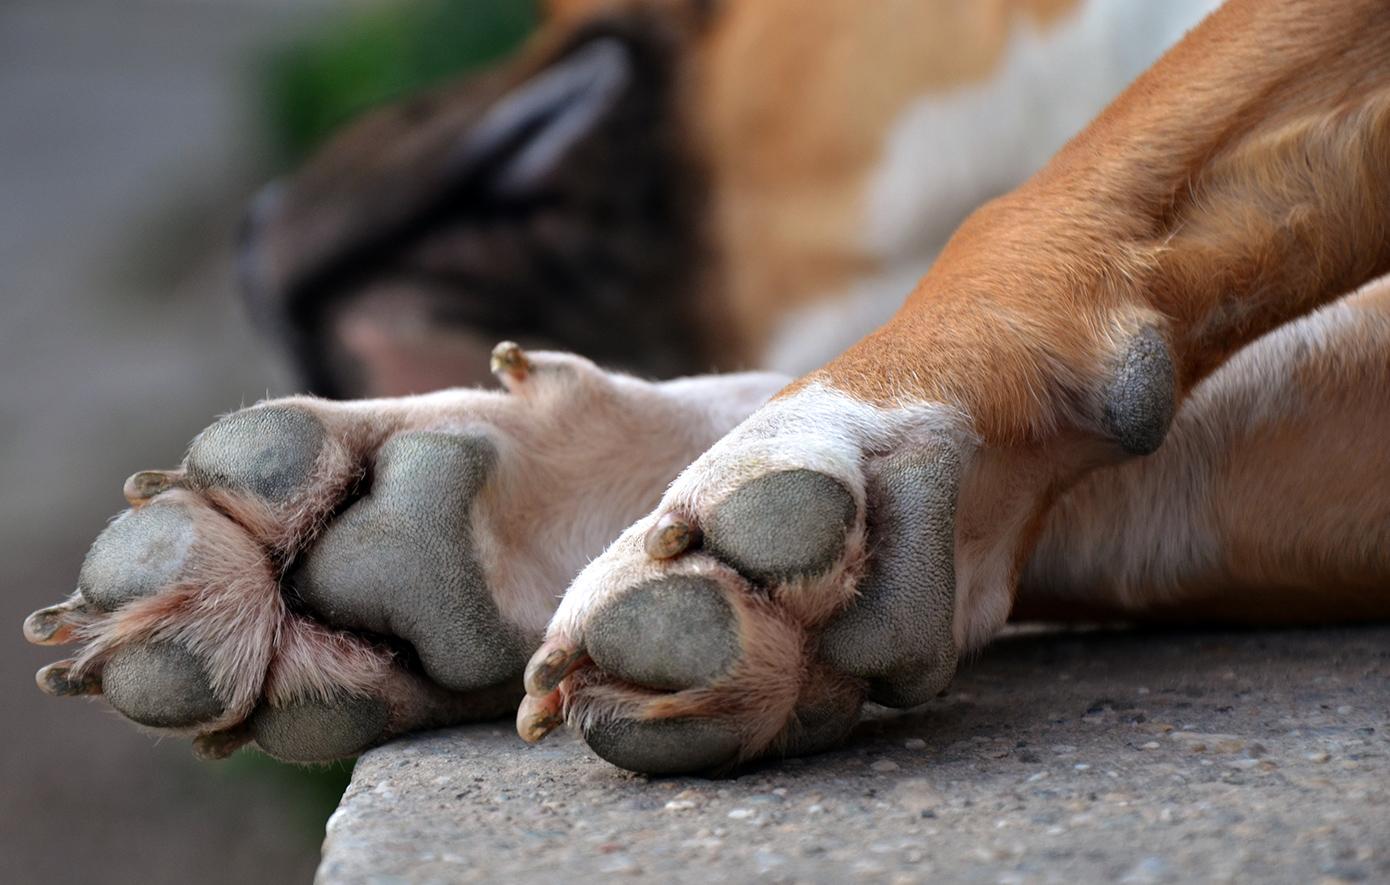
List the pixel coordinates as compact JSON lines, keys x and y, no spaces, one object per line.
{"x":379,"y":53}
{"x":311,"y":793}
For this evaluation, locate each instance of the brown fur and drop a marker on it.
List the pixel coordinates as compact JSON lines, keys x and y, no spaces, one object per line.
{"x":790,"y":163}
{"x":768,"y":120}
{"x":1189,"y":202}
{"x":1238,"y":184}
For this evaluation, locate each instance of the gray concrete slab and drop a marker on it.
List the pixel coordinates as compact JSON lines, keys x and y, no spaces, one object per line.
{"x":1056,"y":757}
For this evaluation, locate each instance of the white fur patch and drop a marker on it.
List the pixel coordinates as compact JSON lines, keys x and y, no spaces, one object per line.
{"x":949,"y":152}
{"x":810,"y":335}
{"x":817,"y":428}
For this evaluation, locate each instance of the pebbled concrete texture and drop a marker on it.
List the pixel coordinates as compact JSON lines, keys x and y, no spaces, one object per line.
{"x":1079,"y":756}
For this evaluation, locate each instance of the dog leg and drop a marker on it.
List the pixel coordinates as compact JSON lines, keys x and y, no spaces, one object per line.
{"x":1239,"y":184}
{"x":1269,"y":503}
{"x":319,"y":576}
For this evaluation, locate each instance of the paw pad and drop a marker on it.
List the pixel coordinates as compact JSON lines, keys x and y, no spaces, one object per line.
{"x":782,"y":526}
{"x":664,"y":746}
{"x":269,"y":452}
{"x":1140,"y":400}
{"x":669,"y":633}
{"x":400,"y":561}
{"x":898,"y":632}
{"x":139,"y":554}
{"x":308,"y":731}
{"x":161,"y":685}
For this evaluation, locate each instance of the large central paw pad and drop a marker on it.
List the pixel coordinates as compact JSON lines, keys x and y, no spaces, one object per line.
{"x":317,"y":577}
{"x":402,"y":561}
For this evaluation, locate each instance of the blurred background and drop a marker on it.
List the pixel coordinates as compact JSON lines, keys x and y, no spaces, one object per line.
{"x":132,"y":134}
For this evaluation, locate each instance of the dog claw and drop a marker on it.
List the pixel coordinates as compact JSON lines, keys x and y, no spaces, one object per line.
{"x":51,"y":626}
{"x":220,"y":744}
{"x":510,"y":361}
{"x":56,"y":680}
{"x":549,"y":666}
{"x":672,"y":535}
{"x":539,"y":716}
{"x":143,"y":486}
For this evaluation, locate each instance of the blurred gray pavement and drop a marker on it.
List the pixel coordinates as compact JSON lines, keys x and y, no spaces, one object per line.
{"x":125,"y":152}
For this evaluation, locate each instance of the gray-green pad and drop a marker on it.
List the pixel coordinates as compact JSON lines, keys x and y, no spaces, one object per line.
{"x":162,"y":685}
{"x":669,"y":633}
{"x":780,"y":526}
{"x":318,"y":731}
{"x":897,"y":632}
{"x":400,"y":561}
{"x":140,"y":553}
{"x":664,"y":746}
{"x":268,"y":451}
{"x":1139,"y":401}
{"x":822,"y":722}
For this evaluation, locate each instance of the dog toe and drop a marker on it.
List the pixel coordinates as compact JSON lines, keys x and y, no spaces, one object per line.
{"x":316,"y":730}
{"x":160,"y":685}
{"x":664,"y":746}
{"x":782,"y":526}
{"x":269,"y":451}
{"x":140,"y":553}
{"x":668,"y":633}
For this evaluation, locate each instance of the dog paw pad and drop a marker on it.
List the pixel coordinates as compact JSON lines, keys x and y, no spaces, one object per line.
{"x":309,"y":731}
{"x":782,"y":526}
{"x":268,"y":451}
{"x":160,"y":685}
{"x":669,"y":633}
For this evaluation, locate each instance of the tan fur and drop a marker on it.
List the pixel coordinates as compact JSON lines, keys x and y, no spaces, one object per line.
{"x":1189,"y":202}
{"x":792,"y":102}
{"x":608,"y":442}
{"x":1269,"y":502}
{"x":1239,"y":183}
{"x":786,"y":109}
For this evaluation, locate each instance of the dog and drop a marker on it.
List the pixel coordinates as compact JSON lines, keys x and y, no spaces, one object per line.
{"x":1140,"y":384}
{"x":675,"y":187}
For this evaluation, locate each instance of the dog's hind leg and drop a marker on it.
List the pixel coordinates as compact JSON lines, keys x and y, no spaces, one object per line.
{"x":1268,"y":503}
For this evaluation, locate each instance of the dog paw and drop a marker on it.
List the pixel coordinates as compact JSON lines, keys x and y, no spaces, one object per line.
{"x":801,"y":566}
{"x":317,"y":576}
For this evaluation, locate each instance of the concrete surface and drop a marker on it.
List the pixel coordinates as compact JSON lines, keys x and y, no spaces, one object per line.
{"x":1056,"y":757}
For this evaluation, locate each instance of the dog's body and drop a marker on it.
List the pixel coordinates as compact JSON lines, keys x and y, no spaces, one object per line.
{"x":1124,"y":388}
{"x":767,"y":178}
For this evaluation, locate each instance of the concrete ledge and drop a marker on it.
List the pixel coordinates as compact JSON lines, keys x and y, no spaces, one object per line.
{"x":1071,"y":757}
